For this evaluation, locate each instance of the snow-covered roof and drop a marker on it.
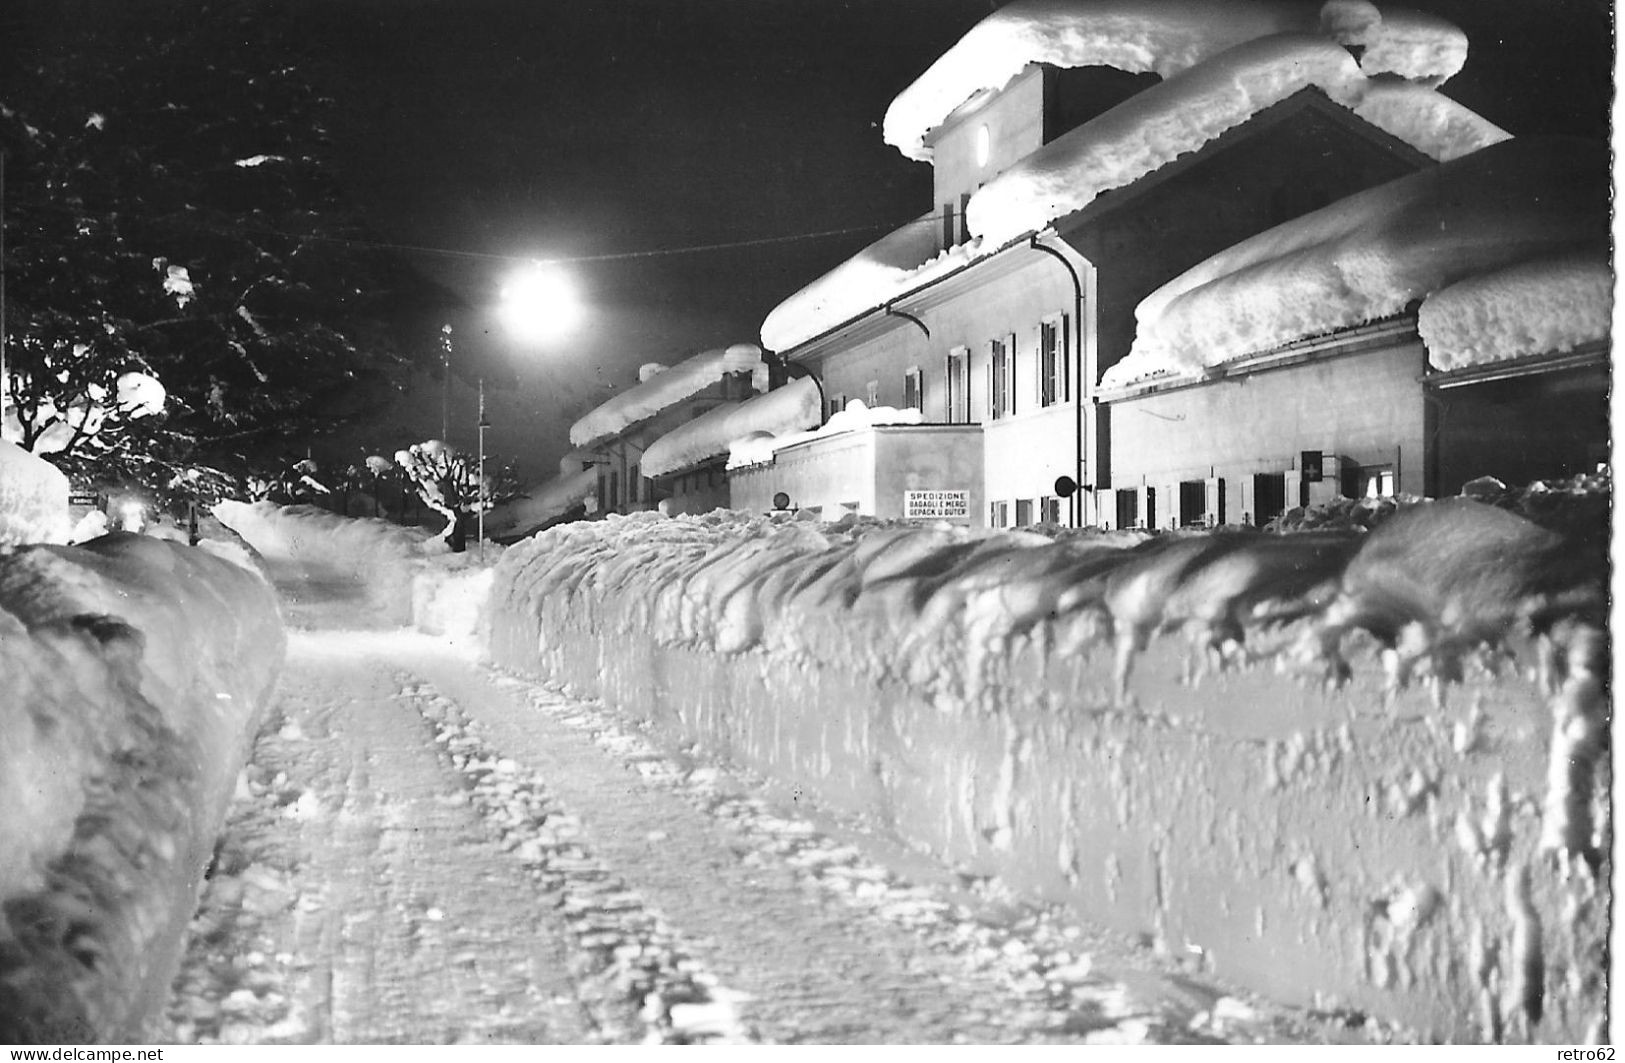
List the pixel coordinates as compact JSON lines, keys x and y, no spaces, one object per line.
{"x":1373,"y":254}
{"x":788,"y":409}
{"x":663,"y":389}
{"x":1160,"y":36}
{"x":1180,"y":115}
{"x":753,"y":450}
{"x":1224,"y":60}
{"x":1549,"y":305}
{"x":543,"y":503}
{"x":894,"y":265}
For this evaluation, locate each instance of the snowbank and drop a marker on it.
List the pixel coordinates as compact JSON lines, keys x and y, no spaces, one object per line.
{"x":1166,"y":37}
{"x":1001,"y":700}
{"x":33,"y":499}
{"x":405,"y":575}
{"x":1373,"y":254}
{"x":137,"y":671}
{"x":667,"y":387}
{"x":788,"y":409}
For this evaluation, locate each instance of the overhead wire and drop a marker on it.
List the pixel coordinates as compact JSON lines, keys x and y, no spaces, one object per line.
{"x":447,"y":252}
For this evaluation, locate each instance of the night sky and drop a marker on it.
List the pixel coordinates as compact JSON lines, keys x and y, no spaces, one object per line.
{"x":506,"y":129}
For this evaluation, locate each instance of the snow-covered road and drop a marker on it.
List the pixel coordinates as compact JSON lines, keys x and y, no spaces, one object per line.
{"x":427,"y":850}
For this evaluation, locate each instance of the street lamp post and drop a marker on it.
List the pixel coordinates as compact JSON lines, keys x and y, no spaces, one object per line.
{"x":479,"y":485}
{"x":445,"y":382}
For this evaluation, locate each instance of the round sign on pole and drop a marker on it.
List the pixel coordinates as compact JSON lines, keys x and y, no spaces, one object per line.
{"x":781,"y":501}
{"x":1066,"y":486}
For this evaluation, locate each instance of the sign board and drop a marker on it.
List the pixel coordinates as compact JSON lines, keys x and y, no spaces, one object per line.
{"x":936,"y":505}
{"x":83,"y":498}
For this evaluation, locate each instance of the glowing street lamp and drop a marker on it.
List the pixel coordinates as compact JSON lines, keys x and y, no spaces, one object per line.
{"x":540,"y":302}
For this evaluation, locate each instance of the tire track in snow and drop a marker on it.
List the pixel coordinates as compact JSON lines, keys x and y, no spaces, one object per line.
{"x":357,"y":898}
{"x":1040,"y":981}
{"x":828,"y":946}
{"x":626,"y":952}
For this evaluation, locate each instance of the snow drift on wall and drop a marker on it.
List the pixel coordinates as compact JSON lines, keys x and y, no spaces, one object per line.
{"x":998,"y":700}
{"x":1164,"y":37}
{"x":788,"y":409}
{"x":760,"y":447}
{"x":33,"y":498}
{"x":667,"y":387}
{"x":1372,"y":254}
{"x":137,"y":671}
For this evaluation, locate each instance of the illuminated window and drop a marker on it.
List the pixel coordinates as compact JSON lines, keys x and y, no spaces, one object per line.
{"x":871,"y":394}
{"x":984,"y":145}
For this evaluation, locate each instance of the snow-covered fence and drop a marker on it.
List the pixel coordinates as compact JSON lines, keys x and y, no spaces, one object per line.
{"x":136,"y":672}
{"x":33,"y":498}
{"x":1000,"y":700}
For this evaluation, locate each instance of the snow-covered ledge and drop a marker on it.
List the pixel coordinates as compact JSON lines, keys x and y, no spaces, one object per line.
{"x":1360,"y":849}
{"x":137,"y":671}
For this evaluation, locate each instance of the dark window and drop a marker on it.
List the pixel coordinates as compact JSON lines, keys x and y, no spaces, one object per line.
{"x":1049,"y":509}
{"x":1128,"y":508}
{"x":964,"y":224}
{"x":948,"y":226}
{"x":913,"y":399}
{"x":1192,"y":503}
{"x":1024,"y":512}
{"x":1269,"y":497}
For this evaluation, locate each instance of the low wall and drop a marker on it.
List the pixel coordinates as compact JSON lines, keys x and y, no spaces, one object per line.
{"x":137,"y":671}
{"x":1360,"y":849}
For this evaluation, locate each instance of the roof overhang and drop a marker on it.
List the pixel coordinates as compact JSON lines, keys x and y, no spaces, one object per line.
{"x":1586,"y":356}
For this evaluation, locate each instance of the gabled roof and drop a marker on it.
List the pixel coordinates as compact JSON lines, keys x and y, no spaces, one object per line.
{"x":1166,"y":37}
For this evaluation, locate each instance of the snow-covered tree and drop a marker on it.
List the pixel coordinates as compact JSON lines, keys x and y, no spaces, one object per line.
{"x":174,"y":228}
{"x":448,"y":482}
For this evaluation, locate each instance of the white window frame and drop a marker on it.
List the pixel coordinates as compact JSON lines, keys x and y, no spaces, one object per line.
{"x":913,"y":389}
{"x":1054,"y":360}
{"x":871,"y":394}
{"x":1001,"y":377}
{"x":957,"y":394}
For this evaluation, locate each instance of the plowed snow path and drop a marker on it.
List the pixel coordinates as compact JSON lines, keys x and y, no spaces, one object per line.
{"x":426,"y":850}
